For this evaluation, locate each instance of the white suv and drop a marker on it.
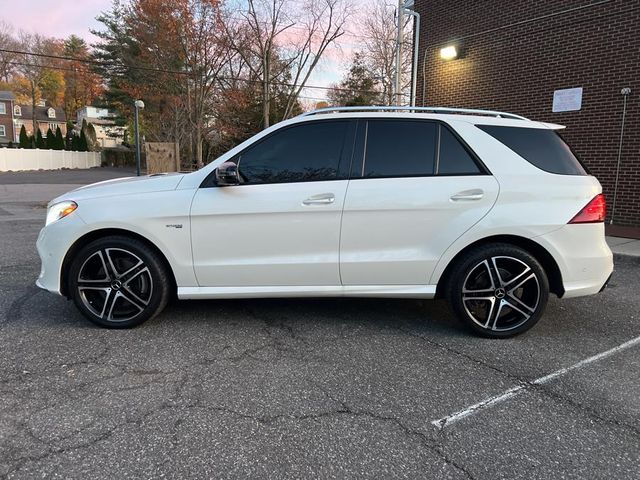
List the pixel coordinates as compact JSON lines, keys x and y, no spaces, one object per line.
{"x":487,"y":209}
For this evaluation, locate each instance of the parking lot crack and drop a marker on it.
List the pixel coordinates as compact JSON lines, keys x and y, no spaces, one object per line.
{"x":590,"y":412}
{"x":462,"y":354}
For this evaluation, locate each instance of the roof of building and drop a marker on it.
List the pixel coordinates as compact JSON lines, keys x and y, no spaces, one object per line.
{"x":6,"y":95}
{"x":99,"y":121}
{"x":42,"y":114}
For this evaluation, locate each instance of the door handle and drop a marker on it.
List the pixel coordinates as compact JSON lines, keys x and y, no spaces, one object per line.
{"x":320,"y":199}
{"x":468,"y":195}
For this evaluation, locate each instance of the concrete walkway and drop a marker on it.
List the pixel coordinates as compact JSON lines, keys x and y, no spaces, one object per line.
{"x":624,"y":246}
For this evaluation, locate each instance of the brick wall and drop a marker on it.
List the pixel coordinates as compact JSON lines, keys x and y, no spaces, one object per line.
{"x":6,"y":119}
{"x":517,"y":52}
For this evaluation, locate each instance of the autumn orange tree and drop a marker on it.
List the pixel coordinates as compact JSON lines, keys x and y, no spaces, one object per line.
{"x":171,"y":55}
{"x":82,"y":85}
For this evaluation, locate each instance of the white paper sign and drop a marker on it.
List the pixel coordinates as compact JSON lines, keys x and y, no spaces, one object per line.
{"x":567,"y":100}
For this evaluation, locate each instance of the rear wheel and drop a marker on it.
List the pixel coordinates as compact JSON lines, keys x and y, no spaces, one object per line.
{"x":118,"y":282}
{"x":498,"y":290}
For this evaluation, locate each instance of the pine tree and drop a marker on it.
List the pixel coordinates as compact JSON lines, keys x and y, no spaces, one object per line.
{"x":357,"y":88}
{"x":82,"y":144}
{"x":59,"y":139}
{"x":92,"y":139}
{"x":40,"y":143}
{"x":68,"y":144}
{"x":75,"y":143}
{"x":25,"y":142}
{"x":50,"y":141}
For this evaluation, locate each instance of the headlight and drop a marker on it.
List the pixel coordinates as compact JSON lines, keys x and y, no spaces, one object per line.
{"x":60,"y":210}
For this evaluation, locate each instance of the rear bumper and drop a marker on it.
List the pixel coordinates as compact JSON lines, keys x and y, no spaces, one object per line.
{"x":583,"y":256}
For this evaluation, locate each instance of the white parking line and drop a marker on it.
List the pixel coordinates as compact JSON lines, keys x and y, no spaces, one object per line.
{"x":512,"y":392}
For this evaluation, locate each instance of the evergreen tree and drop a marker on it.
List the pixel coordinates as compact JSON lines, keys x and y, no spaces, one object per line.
{"x":75,"y":143}
{"x":40,"y":143}
{"x":68,"y":145}
{"x":92,"y":139}
{"x":50,"y":141}
{"x":357,"y":88}
{"x":25,"y":142}
{"x":82,"y":144}
{"x":59,"y":139}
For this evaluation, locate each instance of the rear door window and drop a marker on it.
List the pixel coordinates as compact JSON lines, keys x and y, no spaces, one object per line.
{"x":398,"y":148}
{"x":543,"y":148}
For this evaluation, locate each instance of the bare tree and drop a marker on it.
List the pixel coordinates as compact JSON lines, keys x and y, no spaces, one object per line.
{"x":322,"y":22}
{"x":285,"y":39}
{"x":34,"y":67}
{"x":378,"y":30}
{"x":7,"y":59}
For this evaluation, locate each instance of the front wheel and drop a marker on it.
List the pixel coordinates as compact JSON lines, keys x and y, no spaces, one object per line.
{"x":498,"y":290}
{"x":118,"y":282}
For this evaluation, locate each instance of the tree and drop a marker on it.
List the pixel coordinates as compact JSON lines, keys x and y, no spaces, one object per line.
{"x":40,"y":143}
{"x":358,"y":87}
{"x":92,"y":140}
{"x":82,"y":143}
{"x":34,"y":68}
{"x":170,"y":54}
{"x":69,"y":136}
{"x":264,"y":34}
{"x":75,"y":143}
{"x":378,"y":49}
{"x":7,"y":59}
{"x":59,"y":145}
{"x":52,"y":87}
{"x":82,"y":85}
{"x":25,"y":141}
{"x":50,"y":141}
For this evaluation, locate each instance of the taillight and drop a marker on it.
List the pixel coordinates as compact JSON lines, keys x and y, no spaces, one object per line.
{"x":593,"y":212}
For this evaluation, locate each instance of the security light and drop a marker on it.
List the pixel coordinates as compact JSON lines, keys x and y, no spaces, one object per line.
{"x":449,"y":52}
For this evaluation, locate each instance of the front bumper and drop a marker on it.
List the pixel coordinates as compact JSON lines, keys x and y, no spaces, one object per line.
{"x":53,"y":244}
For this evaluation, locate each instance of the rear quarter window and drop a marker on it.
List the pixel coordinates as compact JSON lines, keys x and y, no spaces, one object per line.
{"x":542,"y":148}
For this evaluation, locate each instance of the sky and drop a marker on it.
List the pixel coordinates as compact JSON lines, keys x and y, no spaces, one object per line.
{"x":61,"y":18}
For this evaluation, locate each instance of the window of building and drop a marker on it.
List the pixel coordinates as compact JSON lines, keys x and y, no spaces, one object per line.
{"x":53,"y":127}
{"x":302,"y":153}
{"x":17,"y":111}
{"x":399,"y":148}
{"x":541,"y":147}
{"x":454,"y":158}
{"x":3,"y":108}
{"x":51,"y":112}
{"x":3,"y":131}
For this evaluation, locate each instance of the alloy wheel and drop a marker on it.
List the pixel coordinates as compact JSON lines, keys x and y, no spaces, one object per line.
{"x":501,"y":293}
{"x":115,"y":285}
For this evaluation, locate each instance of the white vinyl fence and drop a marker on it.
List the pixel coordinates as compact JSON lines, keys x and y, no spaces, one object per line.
{"x":15,"y":159}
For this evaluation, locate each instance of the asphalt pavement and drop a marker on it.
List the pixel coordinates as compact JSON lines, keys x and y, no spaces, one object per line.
{"x":330,"y":388}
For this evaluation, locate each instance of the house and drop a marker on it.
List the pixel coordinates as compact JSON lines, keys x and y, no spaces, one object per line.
{"x":7,"y":128}
{"x":548,"y":62}
{"x":108,"y":134}
{"x":47,"y":117}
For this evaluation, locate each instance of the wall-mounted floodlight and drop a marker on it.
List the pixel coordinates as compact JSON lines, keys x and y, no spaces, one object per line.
{"x":450,"y":52}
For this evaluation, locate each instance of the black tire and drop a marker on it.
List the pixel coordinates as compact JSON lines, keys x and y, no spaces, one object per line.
{"x":484,"y":297}
{"x":118,"y":282}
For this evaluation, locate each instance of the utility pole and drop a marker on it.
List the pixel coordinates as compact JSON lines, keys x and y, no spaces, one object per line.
{"x":400,"y":18}
{"x":137,"y":105}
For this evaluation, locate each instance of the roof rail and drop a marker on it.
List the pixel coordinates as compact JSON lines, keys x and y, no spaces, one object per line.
{"x":387,"y":108}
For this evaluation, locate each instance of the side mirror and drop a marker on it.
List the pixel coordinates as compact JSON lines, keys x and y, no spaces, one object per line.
{"x":227,"y":174}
